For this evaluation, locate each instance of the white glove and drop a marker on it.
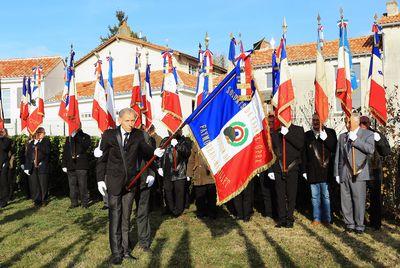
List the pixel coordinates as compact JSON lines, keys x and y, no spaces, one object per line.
{"x":35,"y":142}
{"x":323,"y":135}
{"x":159,"y":152}
{"x":377,"y":137}
{"x":284,"y":130}
{"x":64,"y":169}
{"x":174,"y":142}
{"x":27,"y":172}
{"x":160,"y":172}
{"x":305,"y":176}
{"x":22,"y":166}
{"x":352,"y":136}
{"x":338,"y":179}
{"x":188,"y":178}
{"x":271,"y":176}
{"x":101,"y":186}
{"x":97,"y":152}
{"x":150,"y":180}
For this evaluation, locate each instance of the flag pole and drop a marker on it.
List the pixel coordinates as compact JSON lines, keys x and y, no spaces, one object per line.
{"x":284,"y":30}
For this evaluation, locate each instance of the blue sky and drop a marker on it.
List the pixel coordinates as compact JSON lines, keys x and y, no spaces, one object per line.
{"x":39,"y":28}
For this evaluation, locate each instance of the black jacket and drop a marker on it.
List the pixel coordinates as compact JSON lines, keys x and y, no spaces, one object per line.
{"x":5,"y":148}
{"x":319,"y":156}
{"x":111,"y":164}
{"x":75,"y":152}
{"x":43,"y":153}
{"x":176,"y":171}
{"x":382,"y":149}
{"x":294,"y":146}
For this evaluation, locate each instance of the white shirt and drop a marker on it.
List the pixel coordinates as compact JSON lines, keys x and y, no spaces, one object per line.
{"x":354,"y":131}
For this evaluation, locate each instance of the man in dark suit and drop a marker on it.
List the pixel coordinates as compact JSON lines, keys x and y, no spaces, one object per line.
{"x":122,"y":149}
{"x":382,"y":149}
{"x":37,"y":166}
{"x":288,"y":145}
{"x":5,"y":148}
{"x":319,"y":150}
{"x":351,"y":171}
{"x":75,"y":163}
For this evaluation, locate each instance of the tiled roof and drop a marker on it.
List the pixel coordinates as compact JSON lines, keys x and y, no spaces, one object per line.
{"x":308,"y":52}
{"x":389,"y":19}
{"x":123,"y":84}
{"x":10,"y":68}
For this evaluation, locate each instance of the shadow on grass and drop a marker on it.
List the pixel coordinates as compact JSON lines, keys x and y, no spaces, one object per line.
{"x":156,"y":252}
{"x":386,"y":239}
{"x":92,"y":226}
{"x":340,"y":259}
{"x":284,"y":257}
{"x":18,"y":215}
{"x":26,"y":225}
{"x":18,"y":255}
{"x":181,"y":256}
{"x":361,"y":249}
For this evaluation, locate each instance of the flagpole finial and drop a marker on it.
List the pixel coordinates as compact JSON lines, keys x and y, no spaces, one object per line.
{"x":284,"y":26}
{"x":207,"y":40}
{"x":319,"y":19}
{"x":341,"y":11}
{"x":376,"y":17}
{"x":72,"y":47}
{"x":166,"y":42}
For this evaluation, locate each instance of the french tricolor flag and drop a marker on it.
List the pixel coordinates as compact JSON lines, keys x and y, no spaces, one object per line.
{"x":235,"y":141}
{"x":171,"y":105}
{"x":99,"y":109}
{"x":110,"y":94}
{"x":346,"y":80}
{"x":36,"y":107}
{"x":147,"y":99}
{"x":136,"y":97}
{"x":204,"y":82}
{"x":24,"y":104}
{"x":377,"y":94}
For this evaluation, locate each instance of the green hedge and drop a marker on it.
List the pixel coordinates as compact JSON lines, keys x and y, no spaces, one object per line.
{"x":58,"y":181}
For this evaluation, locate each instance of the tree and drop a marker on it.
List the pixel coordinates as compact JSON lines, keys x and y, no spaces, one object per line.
{"x":113,"y":30}
{"x":220,"y":60}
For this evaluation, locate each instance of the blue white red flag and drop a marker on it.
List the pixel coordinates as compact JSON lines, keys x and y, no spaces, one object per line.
{"x":147,"y":99}
{"x":110,"y":94}
{"x":204,"y":81}
{"x":136,"y":97}
{"x":99,"y":109}
{"x":235,"y":141}
{"x":36,"y":107}
{"x":24,"y":104}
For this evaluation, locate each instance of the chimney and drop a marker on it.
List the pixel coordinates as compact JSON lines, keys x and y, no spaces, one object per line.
{"x":392,"y":8}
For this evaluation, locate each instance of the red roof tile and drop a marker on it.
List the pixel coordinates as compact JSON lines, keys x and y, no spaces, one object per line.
{"x":389,"y":19}
{"x":307,"y":52}
{"x":23,"y":67}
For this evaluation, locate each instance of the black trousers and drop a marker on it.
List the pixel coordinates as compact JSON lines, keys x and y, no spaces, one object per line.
{"x":206,"y":200}
{"x":375,"y":209}
{"x":4,"y":187}
{"x":39,"y":186}
{"x":175,"y":195}
{"x":77,"y":180}
{"x":11,"y":183}
{"x":119,"y":216}
{"x":268,"y":195}
{"x":286,"y":191}
{"x":244,"y":202}
{"x":142,"y":217}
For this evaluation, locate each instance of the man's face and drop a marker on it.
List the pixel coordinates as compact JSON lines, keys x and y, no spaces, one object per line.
{"x":40,"y":135}
{"x":363,"y":126}
{"x":271,"y":121}
{"x":316,"y":123}
{"x":127,"y":121}
{"x":352,"y":123}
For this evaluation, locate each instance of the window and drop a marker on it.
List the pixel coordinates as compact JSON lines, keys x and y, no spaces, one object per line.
{"x":269,"y":80}
{"x":86,"y":115}
{"x":192,"y":69}
{"x":5,"y":95}
{"x":356,"y":95}
{"x":19,"y":96}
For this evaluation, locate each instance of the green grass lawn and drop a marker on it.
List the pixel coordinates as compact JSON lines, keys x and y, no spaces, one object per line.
{"x":54,"y":236}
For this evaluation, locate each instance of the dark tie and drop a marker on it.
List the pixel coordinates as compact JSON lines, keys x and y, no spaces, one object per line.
{"x":348,"y":145}
{"x":126,"y":140}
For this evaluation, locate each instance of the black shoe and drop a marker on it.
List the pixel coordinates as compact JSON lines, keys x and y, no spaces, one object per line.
{"x":129,"y":256}
{"x":117,"y":260}
{"x":281,"y":225}
{"x":104,"y":208}
{"x":73,"y":206}
{"x":348,"y":230}
{"x":85,"y":206}
{"x":289,"y":224}
{"x":359,"y":232}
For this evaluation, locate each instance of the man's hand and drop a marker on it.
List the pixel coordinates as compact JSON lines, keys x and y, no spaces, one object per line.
{"x":284,"y":130}
{"x":377,"y":137}
{"x":64,"y":169}
{"x":101,"y":186}
{"x":338,"y":179}
{"x":160,"y":172}
{"x":150,"y":180}
{"x":322,"y":135}
{"x":271,"y":176}
{"x":352,"y":136}
{"x":305,"y":176}
{"x":174,"y":142}
{"x":159,"y":152}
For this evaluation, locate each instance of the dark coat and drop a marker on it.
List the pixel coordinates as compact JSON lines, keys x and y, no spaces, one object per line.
{"x":5,"y":148}
{"x":319,"y":156}
{"x":111,"y":164}
{"x":294,"y":146}
{"x":182,"y":153}
{"x":75,"y":152}
{"x":43,"y":149}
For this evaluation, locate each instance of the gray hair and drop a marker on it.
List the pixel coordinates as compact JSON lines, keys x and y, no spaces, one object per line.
{"x":356,"y":116}
{"x":125,"y":111}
